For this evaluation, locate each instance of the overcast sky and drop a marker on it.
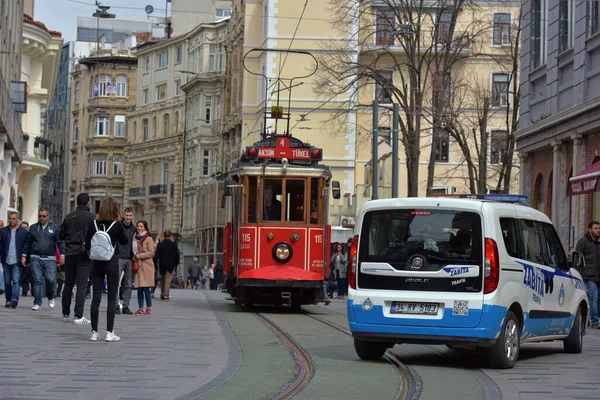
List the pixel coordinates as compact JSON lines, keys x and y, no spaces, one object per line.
{"x":61,"y":15}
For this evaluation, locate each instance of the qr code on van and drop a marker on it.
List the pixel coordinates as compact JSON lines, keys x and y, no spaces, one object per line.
{"x":461,"y":307}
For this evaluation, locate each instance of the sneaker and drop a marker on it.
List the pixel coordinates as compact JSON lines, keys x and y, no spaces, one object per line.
{"x":111,"y":337}
{"x":82,"y":321}
{"x":65,"y":318}
{"x":36,"y":307}
{"x":327,"y":300}
{"x":95,"y":336}
{"x":14,"y":303}
{"x":7,"y":305}
{"x":51,"y":303}
{"x":139,"y":312}
{"x":148,"y":311}
{"x":127,"y":311}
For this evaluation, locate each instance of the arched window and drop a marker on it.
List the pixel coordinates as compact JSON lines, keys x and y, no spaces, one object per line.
{"x":121,"y":85}
{"x":166,"y":123}
{"x":539,"y":193}
{"x":549,"y":206}
{"x":145,"y":129}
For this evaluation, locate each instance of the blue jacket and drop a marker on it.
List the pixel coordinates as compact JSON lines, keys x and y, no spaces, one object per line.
{"x":125,"y":252}
{"x":5,"y":242}
{"x":42,"y":242}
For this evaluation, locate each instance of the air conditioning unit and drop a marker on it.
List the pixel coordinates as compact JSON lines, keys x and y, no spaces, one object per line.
{"x":346,"y":220}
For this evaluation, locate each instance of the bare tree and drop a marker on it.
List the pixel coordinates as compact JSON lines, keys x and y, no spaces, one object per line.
{"x":419,"y":41}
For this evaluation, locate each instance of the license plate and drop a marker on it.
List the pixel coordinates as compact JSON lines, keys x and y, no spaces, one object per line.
{"x":400,"y":307}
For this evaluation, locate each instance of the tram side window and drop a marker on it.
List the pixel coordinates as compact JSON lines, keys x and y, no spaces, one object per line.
{"x":252,"y":202}
{"x":314,"y":201}
{"x":272,"y":200}
{"x":294,"y":189}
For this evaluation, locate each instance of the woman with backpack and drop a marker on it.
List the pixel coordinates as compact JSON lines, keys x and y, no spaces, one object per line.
{"x":143,"y":254}
{"x":101,"y":239}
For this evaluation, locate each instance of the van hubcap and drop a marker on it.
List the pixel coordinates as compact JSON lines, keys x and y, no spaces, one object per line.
{"x":511,"y":340}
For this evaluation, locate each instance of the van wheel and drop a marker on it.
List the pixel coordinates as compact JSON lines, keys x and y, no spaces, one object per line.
{"x":505,"y":352}
{"x":574,"y":343}
{"x":369,"y":350}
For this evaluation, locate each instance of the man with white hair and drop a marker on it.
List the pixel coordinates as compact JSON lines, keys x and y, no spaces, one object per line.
{"x":194,"y":272}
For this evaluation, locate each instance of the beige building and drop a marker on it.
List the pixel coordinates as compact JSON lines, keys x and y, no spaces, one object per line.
{"x":204,"y":93}
{"x":40,"y":59}
{"x":155,"y":144}
{"x":11,"y":133}
{"x":186,"y":15}
{"x":104,"y":91}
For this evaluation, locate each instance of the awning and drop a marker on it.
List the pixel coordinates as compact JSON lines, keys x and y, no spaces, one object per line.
{"x":585,"y":181}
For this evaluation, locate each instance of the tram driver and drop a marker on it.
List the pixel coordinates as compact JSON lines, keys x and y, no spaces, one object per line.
{"x":272,"y":206}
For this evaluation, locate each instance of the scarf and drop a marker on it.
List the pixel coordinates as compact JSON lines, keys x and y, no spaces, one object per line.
{"x":136,"y":245}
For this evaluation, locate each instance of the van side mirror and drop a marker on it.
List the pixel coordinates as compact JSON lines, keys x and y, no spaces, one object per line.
{"x":227,"y":187}
{"x":577,"y":260}
{"x":335,"y":189}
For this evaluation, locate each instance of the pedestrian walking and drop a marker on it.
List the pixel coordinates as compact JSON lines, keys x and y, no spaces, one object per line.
{"x":194,"y":273}
{"x":211,"y":277}
{"x":167,"y":259}
{"x":12,"y":239}
{"x":204,"y":278}
{"x":105,"y":264}
{"x":77,"y":260}
{"x":143,"y":255}
{"x":589,"y":246}
{"x":125,"y":260}
{"x":339,"y":260}
{"x":219,"y":276}
{"x":40,"y":248}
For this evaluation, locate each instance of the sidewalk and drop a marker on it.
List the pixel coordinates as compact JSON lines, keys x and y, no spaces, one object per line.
{"x":170,"y":354}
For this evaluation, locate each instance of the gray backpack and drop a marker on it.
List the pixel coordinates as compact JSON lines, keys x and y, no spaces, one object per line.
{"x":101,"y":248}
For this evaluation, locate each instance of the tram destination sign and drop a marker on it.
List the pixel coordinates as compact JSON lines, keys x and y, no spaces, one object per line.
{"x":282,"y":149}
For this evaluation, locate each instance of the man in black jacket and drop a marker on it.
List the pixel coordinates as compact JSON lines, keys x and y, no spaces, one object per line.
{"x":77,"y":262}
{"x":40,"y":248}
{"x":167,"y":257}
{"x":590,"y":248}
{"x":125,"y":254}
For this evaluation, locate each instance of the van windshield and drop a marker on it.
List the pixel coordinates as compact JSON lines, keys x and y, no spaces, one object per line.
{"x":440,"y":237}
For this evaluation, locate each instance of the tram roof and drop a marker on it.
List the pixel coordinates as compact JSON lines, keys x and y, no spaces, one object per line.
{"x":277,"y":170}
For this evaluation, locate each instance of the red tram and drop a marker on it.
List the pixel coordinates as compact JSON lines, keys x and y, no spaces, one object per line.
{"x":276,"y":240}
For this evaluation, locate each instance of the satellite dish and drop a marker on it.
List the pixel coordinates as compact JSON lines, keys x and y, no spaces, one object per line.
{"x":149,"y":9}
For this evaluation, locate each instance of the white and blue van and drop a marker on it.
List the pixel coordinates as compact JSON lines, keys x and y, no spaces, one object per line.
{"x":484,"y":272}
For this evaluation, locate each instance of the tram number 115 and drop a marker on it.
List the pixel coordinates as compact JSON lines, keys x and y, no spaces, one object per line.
{"x":318,"y":238}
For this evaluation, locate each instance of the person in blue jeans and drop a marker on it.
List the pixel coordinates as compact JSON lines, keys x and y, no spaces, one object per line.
{"x":12,"y":239}
{"x":40,"y":248}
{"x":589,"y":246}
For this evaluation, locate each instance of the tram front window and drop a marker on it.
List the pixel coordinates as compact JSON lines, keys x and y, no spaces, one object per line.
{"x":271,"y":200}
{"x":294,"y":191}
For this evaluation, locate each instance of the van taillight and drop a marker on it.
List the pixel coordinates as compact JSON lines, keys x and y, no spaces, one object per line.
{"x":492,"y":266}
{"x":352,"y":263}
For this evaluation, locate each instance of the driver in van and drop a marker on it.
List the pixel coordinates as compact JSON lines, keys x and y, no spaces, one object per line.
{"x":272,"y":206}
{"x":590,"y":248}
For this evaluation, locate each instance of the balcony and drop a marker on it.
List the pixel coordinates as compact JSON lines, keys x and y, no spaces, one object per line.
{"x":137,"y":192}
{"x":159,"y":190}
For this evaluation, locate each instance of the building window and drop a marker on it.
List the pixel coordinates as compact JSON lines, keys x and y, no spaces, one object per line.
{"x":146,"y":96}
{"x":207,"y":109}
{"x":217,"y":108}
{"x":77,"y":92}
{"x":179,"y":54}
{"x":134,"y":130}
{"x":103,"y":87}
{"x":539,"y":25}
{"x":177,"y":87}
{"x":102,"y":126}
{"x":384,"y":85}
{"x":161,"y":92}
{"x":163,"y":59}
{"x":566,"y":24}
{"x":594,"y":17}
{"x":222,"y":13}
{"x":499,"y":90}
{"x":539,"y":193}
{"x":501,"y":29}
{"x":443,"y":27}
{"x":165,"y":173}
{"x":75,"y":131}
{"x":145,"y":129}
{"x":121,"y":86}
{"x":118,"y":165}
{"x":176,"y":123}
{"x":498,"y":143}
{"x":205,"y":162}
{"x":212,"y":54}
{"x":144,"y":176}
{"x":386,"y":21}
{"x":442,"y":146}
{"x":100,"y":164}
{"x":146,"y":64}
{"x":154,"y":128}
{"x":221,"y":57}
{"x":74,"y":170}
{"x":166,"y":122}
{"x":265,"y":22}
{"x":119,"y":126}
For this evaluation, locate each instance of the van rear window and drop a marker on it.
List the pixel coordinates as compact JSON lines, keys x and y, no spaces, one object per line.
{"x":442,"y":236}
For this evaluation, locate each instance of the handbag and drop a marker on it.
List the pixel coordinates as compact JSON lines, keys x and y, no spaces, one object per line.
{"x":135,"y":267}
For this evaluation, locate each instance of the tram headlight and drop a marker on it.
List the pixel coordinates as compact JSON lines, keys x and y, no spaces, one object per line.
{"x":282,"y":252}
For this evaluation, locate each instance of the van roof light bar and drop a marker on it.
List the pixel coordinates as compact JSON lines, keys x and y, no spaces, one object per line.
{"x":506,"y":198}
